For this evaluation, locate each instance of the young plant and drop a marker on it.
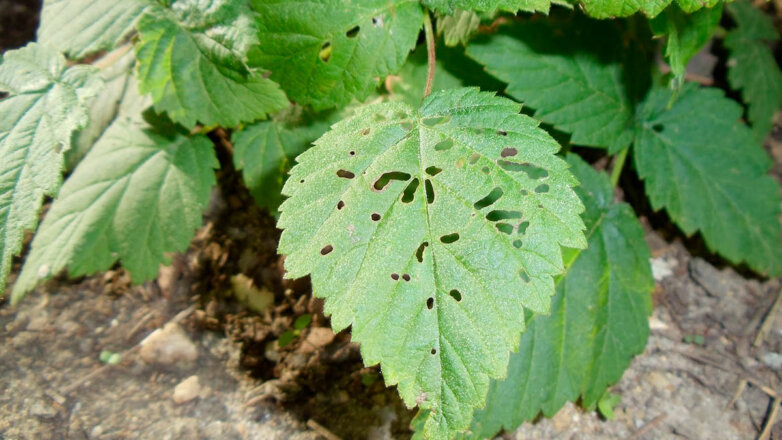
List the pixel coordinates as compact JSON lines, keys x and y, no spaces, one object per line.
{"x":486,"y":267}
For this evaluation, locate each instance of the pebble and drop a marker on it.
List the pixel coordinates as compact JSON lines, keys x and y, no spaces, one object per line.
{"x":168,"y":346}
{"x":187,"y":390}
{"x":773,"y":360}
{"x":317,"y":337}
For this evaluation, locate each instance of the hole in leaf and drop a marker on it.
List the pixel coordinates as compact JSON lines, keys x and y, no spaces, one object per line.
{"x":443,"y":145}
{"x":375,"y":217}
{"x":433,"y":171}
{"x":365,"y":131}
{"x":517,"y":244}
{"x":450,"y":238}
{"x":502,"y":133}
{"x":326,"y":249}
{"x":352,"y":32}
{"x":524,"y":276}
{"x":509,"y":152}
{"x":430,"y":303}
{"x":429,"y":192}
{"x":658,"y":128}
{"x":352,"y":153}
{"x":409,"y":193}
{"x":532,"y":171}
{"x":434,"y":351}
{"x":493,"y":196}
{"x":523,"y":228}
{"x":345,"y":174}
{"x":419,"y":254}
{"x":474,"y":158}
{"x":325,"y":52}
{"x":395,"y":276}
{"x":406,"y":277}
{"x":301,"y":181}
{"x":505,"y":228}
{"x":455,"y":294}
{"x":340,"y":205}
{"x":502,"y":215}
{"x":386,"y":178}
{"x":431,"y":122}
{"x":377,"y":21}
{"x":541,"y":188}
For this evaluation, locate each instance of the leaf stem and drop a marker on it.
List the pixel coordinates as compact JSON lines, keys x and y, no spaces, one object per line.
{"x":430,"y":44}
{"x":619,"y":163}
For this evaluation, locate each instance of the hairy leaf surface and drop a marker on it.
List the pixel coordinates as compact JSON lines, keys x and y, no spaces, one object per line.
{"x":752,"y":67}
{"x":459,"y":27}
{"x":328,"y":52}
{"x":703,"y":166}
{"x":135,"y":197}
{"x":46,"y":102}
{"x":81,"y":27}
{"x":577,"y":75}
{"x":598,"y":318}
{"x":685,"y":35}
{"x":431,"y":231}
{"x":264,"y":151}
{"x":192,"y":59}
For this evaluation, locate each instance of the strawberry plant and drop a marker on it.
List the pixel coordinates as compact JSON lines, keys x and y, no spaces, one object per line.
{"x":422,"y":159}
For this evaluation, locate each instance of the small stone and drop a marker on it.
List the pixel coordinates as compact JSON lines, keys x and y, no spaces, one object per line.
{"x":773,"y":360}
{"x":317,"y":337}
{"x":39,"y":409}
{"x":187,"y":390}
{"x":270,"y":351}
{"x":168,"y":346}
{"x":662,"y":268}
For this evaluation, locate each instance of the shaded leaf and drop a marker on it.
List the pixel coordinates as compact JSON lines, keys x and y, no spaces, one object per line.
{"x":752,"y":67}
{"x":576,"y":74}
{"x":701,"y":164}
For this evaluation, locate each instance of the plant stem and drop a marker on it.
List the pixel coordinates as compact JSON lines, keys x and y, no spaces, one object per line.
{"x":619,"y":163}
{"x":430,"y":52}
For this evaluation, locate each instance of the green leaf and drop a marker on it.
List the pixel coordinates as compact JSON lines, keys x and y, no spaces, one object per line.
{"x":598,"y":319}
{"x":328,"y":52}
{"x":431,"y":231}
{"x":623,"y":8}
{"x":607,"y":403}
{"x":192,"y":59}
{"x":752,"y":67}
{"x":46,"y":102}
{"x":690,"y":6}
{"x":459,"y":27}
{"x":705,"y":168}
{"x":576,"y":74}
{"x":685,"y":35}
{"x":264,"y":151}
{"x":120,"y":91}
{"x":136,"y":197}
{"x":450,"y":6}
{"x":82,"y":27}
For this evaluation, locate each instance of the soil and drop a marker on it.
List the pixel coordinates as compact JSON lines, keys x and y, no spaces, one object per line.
{"x":74,"y":366}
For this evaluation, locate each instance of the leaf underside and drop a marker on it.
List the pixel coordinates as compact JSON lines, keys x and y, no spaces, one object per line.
{"x":598,"y":318}
{"x":705,"y":168}
{"x":46,"y":103}
{"x":135,"y":197}
{"x":431,"y":231}
{"x":576,"y":74}
{"x":328,"y":52}
{"x":81,"y":27}
{"x":192,"y":59}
